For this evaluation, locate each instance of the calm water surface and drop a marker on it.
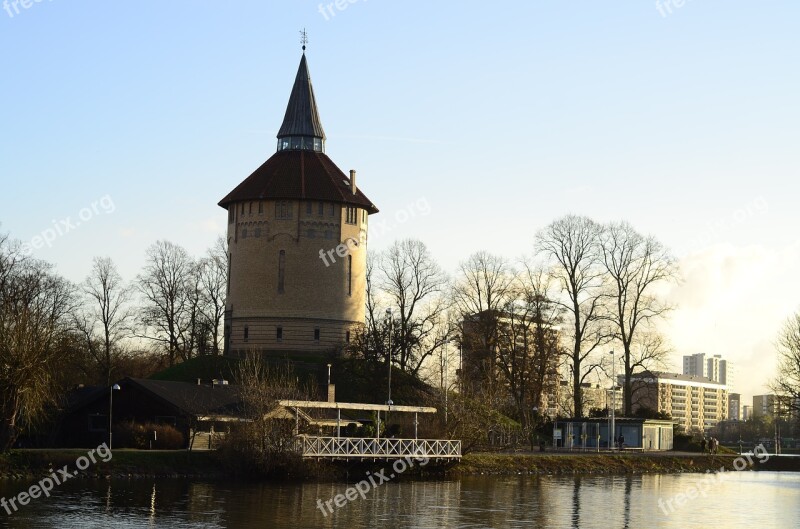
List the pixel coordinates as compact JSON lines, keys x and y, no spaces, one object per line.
{"x":755,"y":500}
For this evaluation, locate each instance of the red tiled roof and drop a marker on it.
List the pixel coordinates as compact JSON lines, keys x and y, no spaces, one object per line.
{"x":298,"y":175}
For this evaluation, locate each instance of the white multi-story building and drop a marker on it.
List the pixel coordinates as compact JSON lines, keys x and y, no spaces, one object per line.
{"x":697,"y":403}
{"x":712,"y":367}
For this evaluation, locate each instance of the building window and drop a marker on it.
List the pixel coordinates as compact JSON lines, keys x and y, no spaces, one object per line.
{"x":242,"y":208}
{"x":328,"y":234}
{"x":244,"y":233}
{"x":364,"y":216}
{"x":321,"y":209}
{"x":250,"y":209}
{"x":281,"y":271}
{"x":257,"y":233}
{"x":352,"y":215}
{"x":230,"y":215}
{"x":230,"y":258}
{"x":309,"y":208}
{"x":316,"y":334}
{"x":332,"y":210}
{"x":283,"y":209}
{"x":279,"y":334}
{"x":349,"y":275}
{"x":246,"y":332}
{"x":312,"y":234}
{"x":347,"y":337}
{"x":260,"y":208}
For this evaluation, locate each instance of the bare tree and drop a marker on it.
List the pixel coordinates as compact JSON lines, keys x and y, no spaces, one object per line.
{"x":213,"y":276}
{"x":528,"y":345}
{"x":571,"y":244}
{"x":35,"y":308}
{"x":415,"y":284}
{"x":787,"y":384}
{"x":546,"y":315}
{"x":371,"y":343}
{"x":636,"y":266}
{"x":480,"y":293}
{"x":106,"y":319}
{"x":166,"y":314}
{"x":265,"y":441}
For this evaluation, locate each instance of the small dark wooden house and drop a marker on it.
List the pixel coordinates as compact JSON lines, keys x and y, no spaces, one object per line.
{"x":198,"y":411}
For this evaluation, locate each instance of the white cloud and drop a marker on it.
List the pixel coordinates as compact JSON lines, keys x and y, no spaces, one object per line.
{"x":732,"y":301}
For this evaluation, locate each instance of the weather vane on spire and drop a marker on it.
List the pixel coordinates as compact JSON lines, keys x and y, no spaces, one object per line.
{"x":304,"y":38}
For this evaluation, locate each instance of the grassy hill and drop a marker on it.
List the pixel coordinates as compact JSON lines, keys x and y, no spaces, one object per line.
{"x":355,"y":380}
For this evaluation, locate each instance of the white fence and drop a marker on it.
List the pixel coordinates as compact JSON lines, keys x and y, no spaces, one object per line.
{"x":369,"y":448}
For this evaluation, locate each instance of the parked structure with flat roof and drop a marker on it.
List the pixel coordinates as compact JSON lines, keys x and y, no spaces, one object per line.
{"x":595,"y":434}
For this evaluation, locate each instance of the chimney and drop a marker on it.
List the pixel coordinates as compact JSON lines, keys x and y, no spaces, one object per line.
{"x":353,"y":181}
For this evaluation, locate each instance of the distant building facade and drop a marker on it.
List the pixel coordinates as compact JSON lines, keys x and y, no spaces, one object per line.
{"x":594,"y":396}
{"x":488,"y":341}
{"x":774,"y":406}
{"x":747,"y":412}
{"x":714,"y":368}
{"x":734,"y":406}
{"x":696,"y":403}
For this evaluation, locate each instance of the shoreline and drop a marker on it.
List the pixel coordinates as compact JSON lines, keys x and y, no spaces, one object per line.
{"x":132,"y":464}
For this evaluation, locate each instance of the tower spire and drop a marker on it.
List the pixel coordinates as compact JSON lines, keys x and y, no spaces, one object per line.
{"x":302,"y":127}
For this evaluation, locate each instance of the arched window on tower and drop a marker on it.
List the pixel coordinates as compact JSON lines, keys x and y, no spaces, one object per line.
{"x":281,"y":271}
{"x":349,"y":275}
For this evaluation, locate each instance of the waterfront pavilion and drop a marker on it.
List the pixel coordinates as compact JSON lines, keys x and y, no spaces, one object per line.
{"x":595,"y":434}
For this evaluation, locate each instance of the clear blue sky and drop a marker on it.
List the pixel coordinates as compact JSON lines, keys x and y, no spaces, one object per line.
{"x":500,"y":116}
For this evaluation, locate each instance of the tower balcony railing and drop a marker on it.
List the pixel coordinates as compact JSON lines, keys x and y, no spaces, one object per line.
{"x":372,"y":448}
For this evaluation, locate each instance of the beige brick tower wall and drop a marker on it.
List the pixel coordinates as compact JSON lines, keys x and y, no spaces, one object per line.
{"x":316,"y":293}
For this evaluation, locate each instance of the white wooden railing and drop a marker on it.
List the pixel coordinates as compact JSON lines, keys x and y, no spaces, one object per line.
{"x":368,"y":448}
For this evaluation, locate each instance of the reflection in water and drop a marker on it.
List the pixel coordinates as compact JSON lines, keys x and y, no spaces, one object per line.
{"x":628,"y":488}
{"x":153,"y":507}
{"x":758,"y":499}
{"x":576,"y":503}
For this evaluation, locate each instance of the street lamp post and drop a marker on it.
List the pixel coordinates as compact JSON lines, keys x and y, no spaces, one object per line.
{"x":389,"y":363}
{"x":445,"y":382}
{"x":613,"y":399}
{"x":389,"y":353}
{"x":111,"y":391}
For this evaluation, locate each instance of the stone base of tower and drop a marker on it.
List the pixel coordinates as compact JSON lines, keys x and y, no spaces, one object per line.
{"x":294,"y":337}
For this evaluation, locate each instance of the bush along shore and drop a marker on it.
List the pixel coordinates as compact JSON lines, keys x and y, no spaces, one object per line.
{"x":26,"y":464}
{"x":655,"y":463}
{"x":130,"y":464}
